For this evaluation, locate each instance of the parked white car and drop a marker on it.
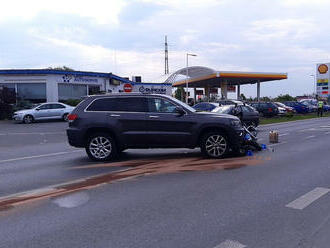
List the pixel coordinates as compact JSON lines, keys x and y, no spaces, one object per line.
{"x":45,"y":111}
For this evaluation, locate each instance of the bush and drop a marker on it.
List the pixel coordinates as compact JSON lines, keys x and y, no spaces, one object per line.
{"x":6,"y":111}
{"x":72,"y":102}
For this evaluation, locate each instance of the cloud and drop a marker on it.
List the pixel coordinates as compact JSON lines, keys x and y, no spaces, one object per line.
{"x":277,"y":29}
{"x":127,"y":37}
{"x":102,"y":11}
{"x":295,"y":3}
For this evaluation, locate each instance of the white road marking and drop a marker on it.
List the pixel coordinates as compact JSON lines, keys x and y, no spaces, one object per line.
{"x":283,"y":134}
{"x":309,"y":129}
{"x":310,"y":137}
{"x":39,"y":156}
{"x":32,"y":133}
{"x":47,"y":189}
{"x":230,"y":244}
{"x":308,"y":198}
{"x":324,"y":126}
{"x":280,"y":143}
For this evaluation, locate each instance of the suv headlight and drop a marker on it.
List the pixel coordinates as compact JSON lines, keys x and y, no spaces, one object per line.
{"x":235,"y":123}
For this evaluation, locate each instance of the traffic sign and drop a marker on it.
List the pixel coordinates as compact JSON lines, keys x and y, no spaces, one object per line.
{"x":128,"y":88}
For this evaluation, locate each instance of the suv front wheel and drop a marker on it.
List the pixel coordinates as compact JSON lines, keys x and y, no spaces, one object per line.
{"x":101,"y":147}
{"x":214,"y":145}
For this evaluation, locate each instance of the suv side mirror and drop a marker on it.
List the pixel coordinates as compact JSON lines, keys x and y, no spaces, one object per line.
{"x":37,"y":109}
{"x":179,"y":111}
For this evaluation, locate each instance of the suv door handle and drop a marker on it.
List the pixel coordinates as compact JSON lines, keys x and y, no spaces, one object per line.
{"x":114,"y":115}
{"x":153,"y":116}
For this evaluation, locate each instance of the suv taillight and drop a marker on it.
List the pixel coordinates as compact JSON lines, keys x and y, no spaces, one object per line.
{"x":72,"y":117}
{"x":270,"y":110}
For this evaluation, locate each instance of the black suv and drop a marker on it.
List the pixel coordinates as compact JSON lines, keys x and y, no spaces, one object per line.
{"x":107,"y":124}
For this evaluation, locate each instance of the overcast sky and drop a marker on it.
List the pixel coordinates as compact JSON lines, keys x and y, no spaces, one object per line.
{"x":127,"y":37}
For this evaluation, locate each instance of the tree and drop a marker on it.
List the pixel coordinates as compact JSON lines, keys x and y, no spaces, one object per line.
{"x":179,"y":94}
{"x":243,"y":97}
{"x":284,"y":98}
{"x":7,"y":96}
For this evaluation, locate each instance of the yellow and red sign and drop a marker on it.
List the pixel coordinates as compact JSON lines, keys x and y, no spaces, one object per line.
{"x":323,"y":68}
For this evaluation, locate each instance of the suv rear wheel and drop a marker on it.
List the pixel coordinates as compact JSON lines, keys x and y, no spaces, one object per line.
{"x":101,"y":147}
{"x":214,"y":145}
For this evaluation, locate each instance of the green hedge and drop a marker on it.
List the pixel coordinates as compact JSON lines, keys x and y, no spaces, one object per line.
{"x":72,"y":102}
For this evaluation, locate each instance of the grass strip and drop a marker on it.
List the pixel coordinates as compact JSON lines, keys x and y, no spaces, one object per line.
{"x":296,"y":117}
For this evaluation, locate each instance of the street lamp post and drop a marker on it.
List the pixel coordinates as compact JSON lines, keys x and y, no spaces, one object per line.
{"x":188,"y":54}
{"x":312,"y":75}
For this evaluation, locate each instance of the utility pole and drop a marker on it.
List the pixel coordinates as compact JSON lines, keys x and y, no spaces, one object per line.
{"x":166,"y":56}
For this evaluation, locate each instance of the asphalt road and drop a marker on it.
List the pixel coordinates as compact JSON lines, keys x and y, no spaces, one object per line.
{"x":51,"y":195}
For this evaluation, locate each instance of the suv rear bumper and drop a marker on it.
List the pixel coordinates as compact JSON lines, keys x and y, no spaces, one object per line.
{"x":75,"y":137}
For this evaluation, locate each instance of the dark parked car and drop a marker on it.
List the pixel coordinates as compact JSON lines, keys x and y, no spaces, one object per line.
{"x":298,"y":107}
{"x":247,"y":114}
{"x":267,"y":109}
{"x":205,"y":106}
{"x":107,"y":124}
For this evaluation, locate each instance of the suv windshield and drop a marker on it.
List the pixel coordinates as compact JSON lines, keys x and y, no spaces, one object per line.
{"x":182,"y":104}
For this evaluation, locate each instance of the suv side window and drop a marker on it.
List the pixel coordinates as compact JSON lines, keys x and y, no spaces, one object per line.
{"x":120,"y":104}
{"x":246,"y":109}
{"x":161,"y":106}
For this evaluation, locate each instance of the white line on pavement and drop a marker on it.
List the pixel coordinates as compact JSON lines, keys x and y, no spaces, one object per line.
{"x":283,"y":134}
{"x":35,"y":192}
{"x":310,"y":137}
{"x":308,"y":198}
{"x":280,"y":143}
{"x":230,"y":244}
{"x":42,"y":133}
{"x":309,"y":129}
{"x":39,"y":156}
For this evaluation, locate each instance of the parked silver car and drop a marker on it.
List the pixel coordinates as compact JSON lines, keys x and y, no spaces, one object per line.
{"x":45,"y":111}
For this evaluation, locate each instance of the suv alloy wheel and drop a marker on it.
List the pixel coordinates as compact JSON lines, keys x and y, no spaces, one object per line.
{"x":214,"y":145}
{"x":101,"y":147}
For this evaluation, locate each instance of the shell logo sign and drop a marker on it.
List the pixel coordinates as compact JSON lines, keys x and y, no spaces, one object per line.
{"x":323,"y":68}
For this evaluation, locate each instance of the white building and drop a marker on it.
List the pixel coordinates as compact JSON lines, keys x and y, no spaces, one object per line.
{"x":41,"y":85}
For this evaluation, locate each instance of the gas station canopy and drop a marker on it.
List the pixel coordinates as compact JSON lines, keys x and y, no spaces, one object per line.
{"x":204,"y":77}
{"x":199,"y":77}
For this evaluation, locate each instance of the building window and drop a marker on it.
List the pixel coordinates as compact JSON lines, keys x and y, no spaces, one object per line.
{"x":93,"y":90}
{"x":35,"y":92}
{"x":8,"y":93}
{"x":70,"y":91}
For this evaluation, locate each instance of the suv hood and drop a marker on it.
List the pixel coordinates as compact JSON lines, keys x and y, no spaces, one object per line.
{"x":217,"y":115}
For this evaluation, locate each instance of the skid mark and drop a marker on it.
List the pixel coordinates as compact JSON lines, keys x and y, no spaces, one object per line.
{"x":138,"y":168}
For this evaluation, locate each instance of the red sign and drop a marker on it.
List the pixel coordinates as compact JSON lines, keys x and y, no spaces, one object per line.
{"x":231,"y":88}
{"x":323,"y":69}
{"x":128,"y":88}
{"x":214,"y":91}
{"x":199,"y":92}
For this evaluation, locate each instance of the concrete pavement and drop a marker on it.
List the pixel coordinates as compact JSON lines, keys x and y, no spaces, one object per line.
{"x":243,"y":207}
